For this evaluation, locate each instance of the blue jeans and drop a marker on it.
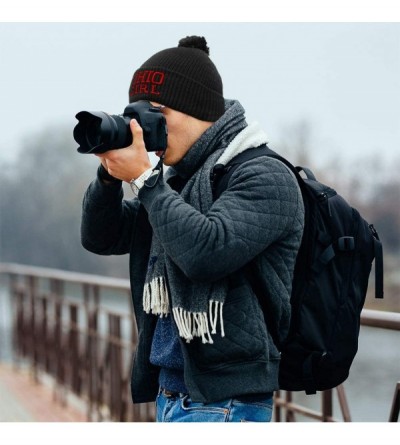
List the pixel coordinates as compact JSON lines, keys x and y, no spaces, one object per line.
{"x":182,"y":409}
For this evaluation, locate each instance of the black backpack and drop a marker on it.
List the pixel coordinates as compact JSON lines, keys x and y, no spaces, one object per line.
{"x":329,"y":284}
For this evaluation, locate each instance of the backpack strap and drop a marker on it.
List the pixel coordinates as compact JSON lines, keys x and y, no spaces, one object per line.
{"x":378,"y":263}
{"x":307,"y":171}
{"x":221,"y":174}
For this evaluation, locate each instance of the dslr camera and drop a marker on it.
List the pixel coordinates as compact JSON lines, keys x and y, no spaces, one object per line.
{"x":98,"y":132}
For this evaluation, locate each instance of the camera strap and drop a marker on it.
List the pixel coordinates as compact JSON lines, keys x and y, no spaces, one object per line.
{"x":156,"y":173}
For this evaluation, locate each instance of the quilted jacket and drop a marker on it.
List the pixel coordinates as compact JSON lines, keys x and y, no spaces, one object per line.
{"x":260,"y":218}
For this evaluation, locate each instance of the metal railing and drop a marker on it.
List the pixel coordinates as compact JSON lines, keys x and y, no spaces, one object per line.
{"x":62,"y":329}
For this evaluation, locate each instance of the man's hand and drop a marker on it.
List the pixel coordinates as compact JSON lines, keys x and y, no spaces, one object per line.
{"x":130,"y":162}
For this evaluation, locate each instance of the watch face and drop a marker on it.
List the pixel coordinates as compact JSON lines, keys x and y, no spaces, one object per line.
{"x":138,"y":183}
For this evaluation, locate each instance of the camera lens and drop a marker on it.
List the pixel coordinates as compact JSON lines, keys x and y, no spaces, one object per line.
{"x":96,"y":132}
{"x":93,"y":134}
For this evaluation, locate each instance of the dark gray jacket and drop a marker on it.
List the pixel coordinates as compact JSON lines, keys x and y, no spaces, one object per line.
{"x":260,"y":217}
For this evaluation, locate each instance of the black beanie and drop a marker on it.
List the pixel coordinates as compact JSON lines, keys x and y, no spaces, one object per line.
{"x":183,"y":78}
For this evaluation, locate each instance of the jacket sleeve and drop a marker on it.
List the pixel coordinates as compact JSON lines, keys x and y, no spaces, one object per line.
{"x":107,"y":220}
{"x":261,"y":205}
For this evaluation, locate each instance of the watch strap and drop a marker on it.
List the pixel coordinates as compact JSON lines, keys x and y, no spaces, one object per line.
{"x":138,"y":183}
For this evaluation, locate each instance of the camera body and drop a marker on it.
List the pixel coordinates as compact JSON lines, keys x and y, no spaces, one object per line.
{"x":98,"y":132}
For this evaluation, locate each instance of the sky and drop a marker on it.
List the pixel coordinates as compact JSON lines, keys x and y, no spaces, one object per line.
{"x":343,"y":79}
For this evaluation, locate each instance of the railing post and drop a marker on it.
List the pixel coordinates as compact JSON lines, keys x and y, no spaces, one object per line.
{"x":33,"y":343}
{"x":44,"y":343}
{"x":73,"y":351}
{"x":92,"y":361}
{"x":116,"y":372}
{"x":277,"y":407}
{"x":289,"y":412}
{"x":18,"y":293}
{"x":132,"y":411}
{"x":344,"y":407}
{"x":394,"y":412}
{"x":327,"y":406}
{"x":57,"y":293}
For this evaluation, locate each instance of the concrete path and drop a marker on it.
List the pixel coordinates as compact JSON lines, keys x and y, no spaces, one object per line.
{"x":24,"y":400}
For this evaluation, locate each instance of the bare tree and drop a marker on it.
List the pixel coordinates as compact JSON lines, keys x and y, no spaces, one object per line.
{"x":40,"y":206}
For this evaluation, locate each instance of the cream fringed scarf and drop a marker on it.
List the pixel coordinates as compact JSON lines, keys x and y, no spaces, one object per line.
{"x":197,"y":307}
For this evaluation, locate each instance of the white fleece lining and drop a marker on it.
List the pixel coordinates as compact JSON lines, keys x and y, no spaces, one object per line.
{"x":252,"y":136}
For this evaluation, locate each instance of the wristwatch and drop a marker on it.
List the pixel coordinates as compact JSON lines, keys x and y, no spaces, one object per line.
{"x":138,"y":183}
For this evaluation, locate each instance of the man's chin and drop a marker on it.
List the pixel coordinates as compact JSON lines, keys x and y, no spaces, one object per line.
{"x":167,"y":159}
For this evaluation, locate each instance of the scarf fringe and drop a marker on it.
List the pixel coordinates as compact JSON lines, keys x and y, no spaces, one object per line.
{"x":155,"y":297}
{"x":198,"y":324}
{"x":190,"y":324}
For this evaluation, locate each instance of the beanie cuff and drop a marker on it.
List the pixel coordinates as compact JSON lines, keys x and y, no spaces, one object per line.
{"x":178,"y":92}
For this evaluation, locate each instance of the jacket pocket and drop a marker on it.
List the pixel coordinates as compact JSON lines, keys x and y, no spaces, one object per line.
{"x":245,"y":333}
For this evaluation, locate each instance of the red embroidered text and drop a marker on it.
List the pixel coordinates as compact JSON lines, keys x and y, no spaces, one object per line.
{"x":147,"y":82}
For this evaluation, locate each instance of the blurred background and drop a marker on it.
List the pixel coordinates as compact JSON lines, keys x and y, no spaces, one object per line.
{"x":327,"y":94}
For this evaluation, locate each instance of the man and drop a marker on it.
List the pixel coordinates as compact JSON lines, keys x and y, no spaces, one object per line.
{"x":205,"y":352}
